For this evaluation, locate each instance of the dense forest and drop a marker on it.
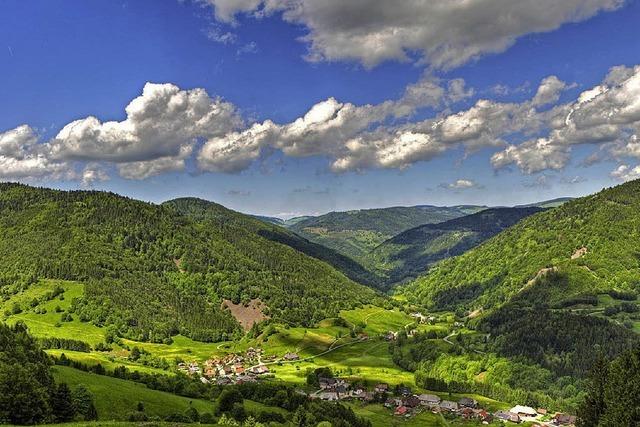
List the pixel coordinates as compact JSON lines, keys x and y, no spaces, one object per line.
{"x":219,"y":216}
{"x":410,"y":253}
{"x":613,"y":393}
{"x":28,"y":392}
{"x":356,"y":233}
{"x":576,"y":239}
{"x":151,"y":272}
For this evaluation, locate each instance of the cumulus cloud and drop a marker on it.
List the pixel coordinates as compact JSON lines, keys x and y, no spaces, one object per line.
{"x":159,"y":124}
{"x":336,"y":129}
{"x":625,"y":173}
{"x":549,"y":91}
{"x":446,"y":33}
{"x":22,"y":157}
{"x":607,"y":114}
{"x":460,"y":184}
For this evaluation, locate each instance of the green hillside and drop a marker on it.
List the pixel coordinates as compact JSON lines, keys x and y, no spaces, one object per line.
{"x":591,"y":242}
{"x":555,"y":291}
{"x":150,"y":273}
{"x":355,"y":233}
{"x":410,"y":253}
{"x":219,"y":216}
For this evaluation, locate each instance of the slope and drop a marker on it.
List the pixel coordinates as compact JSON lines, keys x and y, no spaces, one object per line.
{"x":203,"y":210}
{"x":592,"y":241}
{"x":355,"y":233}
{"x":151,"y":273}
{"x":411,"y":252}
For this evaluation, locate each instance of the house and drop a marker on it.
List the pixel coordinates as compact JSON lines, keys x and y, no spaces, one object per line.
{"x":368,"y":397}
{"x":291,"y":356}
{"x":260,"y":369}
{"x":224,"y":381}
{"x":391,"y":336}
{"x":411,"y":401}
{"x":401,"y":410}
{"x":326,"y":383}
{"x":429,"y":399}
{"x":390,"y":403}
{"x":564,"y":420}
{"x":341,"y":389}
{"x":467,"y":413}
{"x":514,"y":418}
{"x":447,"y":405}
{"x":484,"y":417}
{"x":328,"y":395}
{"x":467,"y":402}
{"x":405,"y":391}
{"x":507,"y":416}
{"x":524,"y":411}
{"x":381,"y":388}
{"x":542,"y":411}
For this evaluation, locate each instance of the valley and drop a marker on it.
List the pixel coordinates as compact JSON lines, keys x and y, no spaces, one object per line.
{"x":214,"y":303}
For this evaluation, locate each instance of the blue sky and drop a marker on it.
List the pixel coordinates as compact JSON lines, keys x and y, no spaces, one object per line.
{"x":64,"y":61}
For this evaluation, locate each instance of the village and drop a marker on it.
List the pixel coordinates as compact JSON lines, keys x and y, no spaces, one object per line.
{"x":252,"y":365}
{"x":403,"y":403}
{"x":234,"y":368}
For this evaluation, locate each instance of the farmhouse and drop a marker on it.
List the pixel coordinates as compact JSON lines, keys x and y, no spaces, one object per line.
{"x":401,"y":410}
{"x":468,"y":402}
{"x":291,"y":356}
{"x":429,"y":399}
{"x":447,"y":405}
{"x":381,"y":388}
{"x":328,"y":395}
{"x":411,"y":401}
{"x":524,"y":411}
{"x":564,"y":420}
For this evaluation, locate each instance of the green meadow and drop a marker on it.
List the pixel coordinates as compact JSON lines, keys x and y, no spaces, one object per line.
{"x":50,"y":324}
{"x":115,"y":399}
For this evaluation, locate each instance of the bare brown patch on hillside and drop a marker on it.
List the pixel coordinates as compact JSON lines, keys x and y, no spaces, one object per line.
{"x":475,"y":313}
{"x":579,"y":253}
{"x":538,"y":275}
{"x":248,"y":315}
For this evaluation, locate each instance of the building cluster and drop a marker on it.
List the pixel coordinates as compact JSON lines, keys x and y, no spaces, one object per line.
{"x":234,"y":368}
{"x":404,"y":403}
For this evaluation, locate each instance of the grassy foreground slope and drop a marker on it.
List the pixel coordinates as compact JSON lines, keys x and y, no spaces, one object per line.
{"x":410,"y":253}
{"x":151,"y":273}
{"x":591,"y":243}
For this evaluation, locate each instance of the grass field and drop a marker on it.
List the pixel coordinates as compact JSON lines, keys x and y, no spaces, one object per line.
{"x":115,"y":399}
{"x":377,"y":320}
{"x":107,"y":362}
{"x":49,"y":324}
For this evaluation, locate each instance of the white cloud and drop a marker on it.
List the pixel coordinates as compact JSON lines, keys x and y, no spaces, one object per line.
{"x":607,"y":114}
{"x":21,"y":157}
{"x":626,"y":173}
{"x":336,"y":129}
{"x":532,"y":156}
{"x":549,"y":91}
{"x":461,"y":184}
{"x":159,"y":124}
{"x":149,"y":168}
{"x":446,"y":33}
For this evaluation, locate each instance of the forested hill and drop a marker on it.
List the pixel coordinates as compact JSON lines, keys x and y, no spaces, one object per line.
{"x":203,"y":210}
{"x":568,"y":254}
{"x":356,"y":233}
{"x":410,"y":253}
{"x":151,"y":272}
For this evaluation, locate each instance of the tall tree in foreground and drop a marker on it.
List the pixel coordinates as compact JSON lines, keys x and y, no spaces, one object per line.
{"x":594,"y":405}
